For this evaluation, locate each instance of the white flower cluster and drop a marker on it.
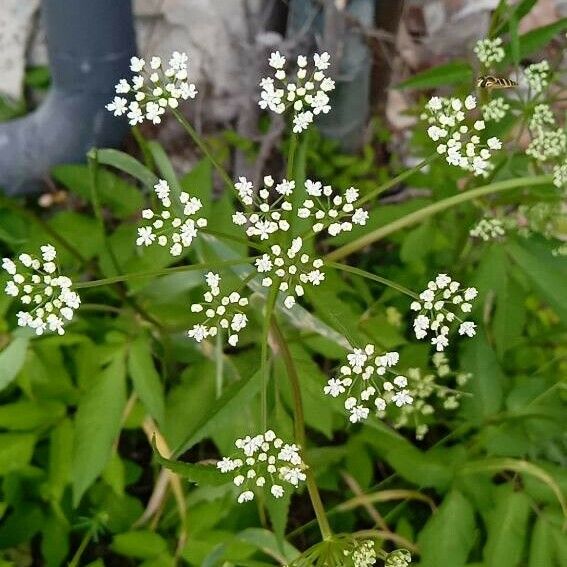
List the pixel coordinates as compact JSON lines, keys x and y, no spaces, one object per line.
{"x":306,"y":94}
{"x":365,"y":382}
{"x":222,"y":312}
{"x":154,"y":88}
{"x":173,"y":224}
{"x":488,"y":229}
{"x":547,"y":144}
{"x":537,"y":76}
{"x":426,"y":390}
{"x":289,"y":273}
{"x":398,"y":558}
{"x":434,"y":314}
{"x":266,"y":462}
{"x":560,"y":175}
{"x":489,"y":51}
{"x":542,"y":117}
{"x":48,"y":296}
{"x":362,"y":554}
{"x":268,"y":217}
{"x":338,"y":212}
{"x":460,"y":144}
{"x":495,"y":110}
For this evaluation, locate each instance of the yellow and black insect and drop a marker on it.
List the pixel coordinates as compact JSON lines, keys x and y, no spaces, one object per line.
{"x":492,"y":82}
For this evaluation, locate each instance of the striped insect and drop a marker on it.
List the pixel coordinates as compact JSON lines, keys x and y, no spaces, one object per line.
{"x":492,"y":82}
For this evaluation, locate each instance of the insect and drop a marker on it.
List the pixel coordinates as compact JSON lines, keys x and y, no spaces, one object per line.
{"x":492,"y":82}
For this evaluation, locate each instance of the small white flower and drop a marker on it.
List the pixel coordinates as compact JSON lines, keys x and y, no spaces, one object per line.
{"x":118,"y":106}
{"x":489,"y":51}
{"x":488,"y":229}
{"x":537,"y":76}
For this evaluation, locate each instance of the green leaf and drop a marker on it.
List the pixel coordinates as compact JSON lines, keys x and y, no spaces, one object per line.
{"x":141,"y":544}
{"x":127,"y":164}
{"x":97,"y":425}
{"x":447,"y":74}
{"x":547,"y":273}
{"x":486,"y":382}
{"x":521,"y":9}
{"x":26,"y":415}
{"x":60,"y":458}
{"x":229,"y":404}
{"x":541,"y":545}
{"x":199,"y":183}
{"x":146,"y":380}
{"x":16,"y":450}
{"x":507,"y":526}
{"x":12,"y":359}
{"x":449,"y":534}
{"x":206,"y":475}
{"x":267,"y":542}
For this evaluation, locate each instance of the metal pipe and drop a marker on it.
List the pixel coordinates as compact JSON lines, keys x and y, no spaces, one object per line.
{"x":89,"y":44}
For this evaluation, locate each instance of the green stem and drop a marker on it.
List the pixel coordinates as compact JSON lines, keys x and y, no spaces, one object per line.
{"x":164,"y":272}
{"x":219,"y":364}
{"x":373,"y":277}
{"x":270,"y":303}
{"x":81,"y":549}
{"x":291,"y":156}
{"x":417,"y":216}
{"x":202,"y":146}
{"x":299,"y":428}
{"x":234,"y":238}
{"x":396,"y":180}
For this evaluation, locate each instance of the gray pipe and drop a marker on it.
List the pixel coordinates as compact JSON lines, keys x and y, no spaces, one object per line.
{"x":90,"y":43}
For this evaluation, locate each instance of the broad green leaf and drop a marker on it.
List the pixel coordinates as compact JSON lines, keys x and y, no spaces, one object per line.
{"x":541,"y":544}
{"x":60,"y":458}
{"x":486,"y":382}
{"x":127,"y":164}
{"x":12,"y":359}
{"x":449,"y":534}
{"x":26,"y":415}
{"x":146,"y":380}
{"x":447,"y":74}
{"x":507,"y":525}
{"x":278,"y":510}
{"x":55,"y":540}
{"x":141,"y":544}
{"x":165,"y":168}
{"x":267,"y":542}
{"x":97,"y":425}
{"x":206,"y":475}
{"x":16,"y":450}
{"x":230,"y":403}
{"x":199,"y":183}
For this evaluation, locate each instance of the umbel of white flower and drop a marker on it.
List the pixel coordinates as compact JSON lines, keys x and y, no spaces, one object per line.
{"x":176,"y":225}
{"x":261,"y":217}
{"x":265,"y":463}
{"x":398,"y":558}
{"x":537,"y":76}
{"x":368,"y":381}
{"x":154,"y":88}
{"x":48,"y":299}
{"x":547,"y":144}
{"x":489,"y":51}
{"x":435,"y":313}
{"x":305,"y":94}
{"x":488,"y":229}
{"x":560,"y":175}
{"x":495,"y":110}
{"x":289,"y":270}
{"x":337,"y":212}
{"x":362,"y":554}
{"x":458,"y":140}
{"x":222,"y":312}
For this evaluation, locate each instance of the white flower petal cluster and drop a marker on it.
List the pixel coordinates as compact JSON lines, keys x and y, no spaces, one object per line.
{"x":542,"y":117}
{"x":489,"y":51}
{"x":153,"y":88}
{"x":488,"y":229}
{"x":495,"y":110}
{"x":547,"y":144}
{"x":261,"y":217}
{"x":435,"y":314}
{"x":362,"y":554}
{"x":336,"y":212}
{"x":265,"y":462}
{"x":460,"y":143}
{"x":560,"y":175}
{"x":176,"y":225}
{"x":306,"y":93}
{"x":537,"y":76}
{"x":398,"y":558}
{"x":368,"y":381}
{"x":290,"y":270}
{"x":47,"y":296}
{"x":221,"y":312}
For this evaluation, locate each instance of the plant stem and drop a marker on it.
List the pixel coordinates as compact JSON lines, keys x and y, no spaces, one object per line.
{"x":202,"y":146}
{"x":164,"y":272}
{"x":417,"y":216}
{"x":299,"y":428}
{"x":270,"y":302}
{"x":370,"y":276}
{"x":81,"y":549}
{"x":395,"y":180}
{"x":219,"y":364}
{"x":291,"y":156}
